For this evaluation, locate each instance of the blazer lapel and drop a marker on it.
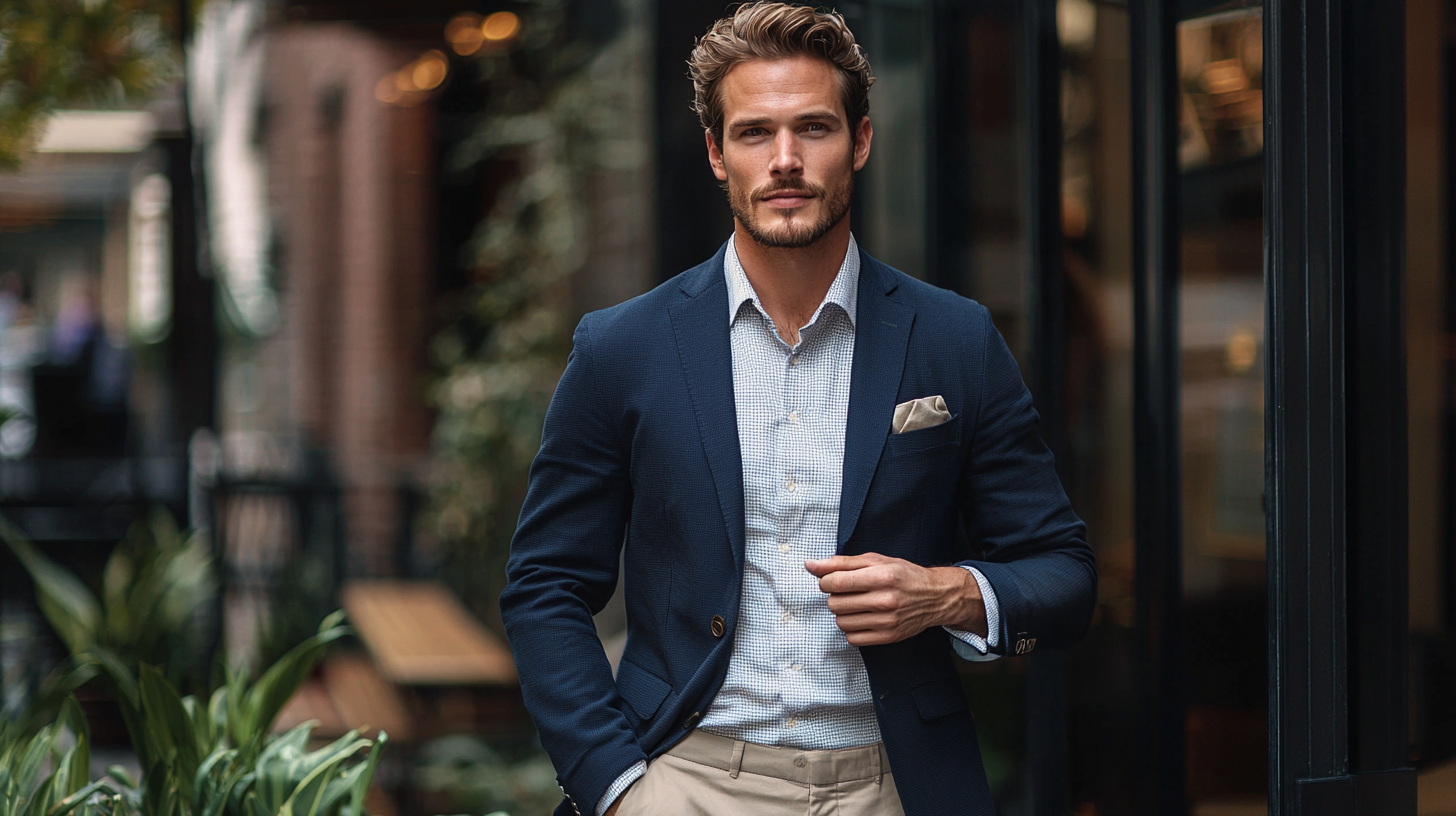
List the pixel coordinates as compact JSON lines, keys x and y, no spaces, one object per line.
{"x":700,"y":325}
{"x":881,"y":336}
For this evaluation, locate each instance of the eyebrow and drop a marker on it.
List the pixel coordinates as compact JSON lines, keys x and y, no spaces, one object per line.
{"x":814,"y":115}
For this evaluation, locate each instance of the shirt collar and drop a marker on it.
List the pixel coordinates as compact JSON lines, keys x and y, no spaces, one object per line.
{"x":843,"y":292}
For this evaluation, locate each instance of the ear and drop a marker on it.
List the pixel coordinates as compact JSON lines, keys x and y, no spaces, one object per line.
{"x":715,"y":156}
{"x":863,"y":134}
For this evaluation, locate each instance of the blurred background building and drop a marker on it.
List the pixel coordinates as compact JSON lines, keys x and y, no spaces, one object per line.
{"x":313,"y":290}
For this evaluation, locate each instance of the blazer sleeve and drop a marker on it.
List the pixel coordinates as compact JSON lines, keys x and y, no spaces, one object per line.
{"x":1036,"y":555}
{"x":562,"y":569}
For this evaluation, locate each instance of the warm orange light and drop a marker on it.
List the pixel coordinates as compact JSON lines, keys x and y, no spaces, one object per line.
{"x":502,"y":25}
{"x":464,"y":34}
{"x":387,"y":91}
{"x":1242,"y":352}
{"x":429,"y":70}
{"x":408,"y":85}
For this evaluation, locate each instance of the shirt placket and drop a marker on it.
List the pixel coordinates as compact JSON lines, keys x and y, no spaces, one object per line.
{"x":792,"y":451}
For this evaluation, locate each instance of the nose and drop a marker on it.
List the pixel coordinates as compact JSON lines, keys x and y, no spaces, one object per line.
{"x":786,"y":159}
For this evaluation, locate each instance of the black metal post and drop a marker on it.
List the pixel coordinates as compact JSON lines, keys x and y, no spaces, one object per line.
{"x":193,"y":343}
{"x":1305,"y":418}
{"x":1334,"y":192}
{"x":1156,"y":381}
{"x":1375,"y":173}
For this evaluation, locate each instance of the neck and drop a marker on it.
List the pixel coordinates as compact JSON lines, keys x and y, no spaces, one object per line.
{"x":791,"y":283}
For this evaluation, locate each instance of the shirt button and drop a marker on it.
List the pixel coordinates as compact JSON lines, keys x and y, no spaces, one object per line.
{"x":794,"y":360}
{"x":791,"y":485}
{"x":783,"y":548}
{"x":797,"y":667}
{"x":787,"y":616}
{"x":793,"y":416}
{"x":793,"y":721}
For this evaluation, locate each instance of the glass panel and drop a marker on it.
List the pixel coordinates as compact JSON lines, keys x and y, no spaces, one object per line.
{"x":1220,"y":62}
{"x":1098,"y":464}
{"x":983,"y":248}
{"x":994,"y":261}
{"x":894,"y":179}
{"x":1431,"y":399}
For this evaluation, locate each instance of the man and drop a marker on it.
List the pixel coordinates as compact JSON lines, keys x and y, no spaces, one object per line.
{"x":779,"y":444}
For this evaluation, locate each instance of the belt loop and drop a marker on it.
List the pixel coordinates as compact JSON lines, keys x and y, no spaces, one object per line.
{"x":879,"y":765}
{"x":736,"y":762}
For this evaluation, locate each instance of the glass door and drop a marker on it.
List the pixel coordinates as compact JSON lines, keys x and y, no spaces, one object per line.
{"x":1221,"y":408}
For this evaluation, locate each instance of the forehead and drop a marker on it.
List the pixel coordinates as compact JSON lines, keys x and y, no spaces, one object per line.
{"x":783,"y":86}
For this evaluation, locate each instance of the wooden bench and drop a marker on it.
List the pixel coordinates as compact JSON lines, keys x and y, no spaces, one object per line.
{"x":420,"y":635}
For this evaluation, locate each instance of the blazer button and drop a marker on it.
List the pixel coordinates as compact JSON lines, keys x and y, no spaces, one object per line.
{"x":718,"y":626}
{"x":692,"y":721}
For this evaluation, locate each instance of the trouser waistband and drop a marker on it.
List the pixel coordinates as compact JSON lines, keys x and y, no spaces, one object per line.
{"x":790,"y":764}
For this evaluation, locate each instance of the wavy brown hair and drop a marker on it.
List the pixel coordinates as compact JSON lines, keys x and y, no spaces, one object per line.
{"x":770,"y":31}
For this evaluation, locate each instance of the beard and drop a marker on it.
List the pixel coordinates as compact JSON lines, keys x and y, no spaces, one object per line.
{"x":783,"y":231}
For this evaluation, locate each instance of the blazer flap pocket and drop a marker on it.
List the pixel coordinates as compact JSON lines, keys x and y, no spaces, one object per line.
{"x":642,"y":689}
{"x":939,"y":698}
{"x":947,"y":432}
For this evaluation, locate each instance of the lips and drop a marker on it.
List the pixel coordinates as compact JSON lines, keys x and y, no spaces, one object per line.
{"x":786,"y":199}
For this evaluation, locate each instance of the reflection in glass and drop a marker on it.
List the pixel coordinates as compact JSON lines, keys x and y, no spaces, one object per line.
{"x":1098,"y":461}
{"x":1221,"y":305}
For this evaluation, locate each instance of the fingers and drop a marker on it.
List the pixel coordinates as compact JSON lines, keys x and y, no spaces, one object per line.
{"x":865,"y":622}
{"x":872,"y":637}
{"x":854,"y":602}
{"x":839,"y":563}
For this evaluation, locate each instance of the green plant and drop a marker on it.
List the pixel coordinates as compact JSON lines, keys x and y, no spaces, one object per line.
{"x":213,"y":757}
{"x":154,"y":583}
{"x":550,"y":121}
{"x":463,"y":774}
{"x":26,"y":789}
{"x":68,"y":53}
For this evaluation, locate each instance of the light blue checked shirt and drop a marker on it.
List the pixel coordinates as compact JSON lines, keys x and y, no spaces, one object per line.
{"x":793,"y":680}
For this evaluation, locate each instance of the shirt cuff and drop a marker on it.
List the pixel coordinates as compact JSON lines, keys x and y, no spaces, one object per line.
{"x":969,"y":645}
{"x":619,"y":787}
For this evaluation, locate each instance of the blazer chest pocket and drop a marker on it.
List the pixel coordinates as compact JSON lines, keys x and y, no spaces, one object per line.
{"x":946,"y":433}
{"x":643,"y":690}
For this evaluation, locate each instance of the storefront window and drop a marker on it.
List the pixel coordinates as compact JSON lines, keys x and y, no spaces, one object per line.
{"x":1221,"y":303}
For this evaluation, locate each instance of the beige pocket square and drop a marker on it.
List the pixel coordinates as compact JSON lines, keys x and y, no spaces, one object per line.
{"x":926,"y":412}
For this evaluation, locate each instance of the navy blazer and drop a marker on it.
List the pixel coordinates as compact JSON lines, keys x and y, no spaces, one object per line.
{"x":640,"y":450}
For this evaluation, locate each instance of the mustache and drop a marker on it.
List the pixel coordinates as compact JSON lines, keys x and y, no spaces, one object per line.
{"x":796,"y":184}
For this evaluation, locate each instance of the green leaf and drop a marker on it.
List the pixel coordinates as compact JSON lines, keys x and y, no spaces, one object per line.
{"x":267,"y":697}
{"x":67,"y":604}
{"x":333,"y":619}
{"x":158,"y":791}
{"x":217,"y":713}
{"x":170,"y":726}
{"x":121,"y":775}
{"x":41,"y":800}
{"x":59,"y":685}
{"x":27,"y":769}
{"x":77,"y":798}
{"x":360,"y":785}
{"x":78,"y":759}
{"x":306,"y":798}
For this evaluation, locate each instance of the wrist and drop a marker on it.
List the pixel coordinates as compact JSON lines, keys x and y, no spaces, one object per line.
{"x":965,"y":609}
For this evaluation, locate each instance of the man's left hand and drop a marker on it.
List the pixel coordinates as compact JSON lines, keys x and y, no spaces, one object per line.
{"x":877,"y":599}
